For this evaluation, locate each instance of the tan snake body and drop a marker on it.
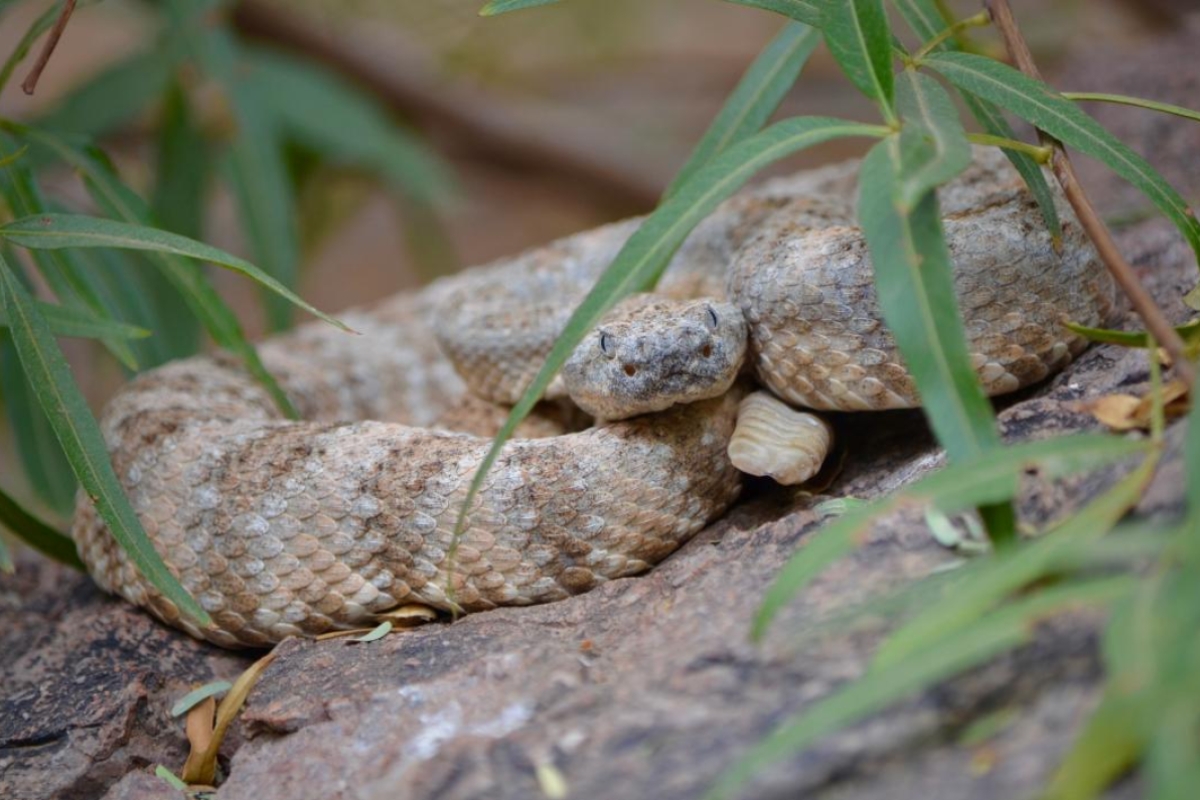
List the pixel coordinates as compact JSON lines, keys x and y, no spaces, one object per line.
{"x":296,"y":528}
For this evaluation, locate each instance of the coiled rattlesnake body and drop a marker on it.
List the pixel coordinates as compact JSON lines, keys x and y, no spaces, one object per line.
{"x":282,"y":528}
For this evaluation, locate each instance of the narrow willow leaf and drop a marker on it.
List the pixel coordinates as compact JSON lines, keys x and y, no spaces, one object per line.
{"x":255,"y":166}
{"x":647,"y":253}
{"x":114,"y":97}
{"x":44,"y":464}
{"x":81,"y":439}
{"x":989,"y":480}
{"x":1065,"y":121}
{"x":1191,"y":469}
{"x":37,"y":534}
{"x":805,"y":11}
{"x":199,"y":695}
{"x":949,"y":656}
{"x":57,"y":231}
{"x":914,"y":278}
{"x":72,"y":286}
{"x":183,"y":169}
{"x":342,"y":123}
{"x":39,"y":26}
{"x":1189,"y":333}
{"x":135,"y":291}
{"x":378,"y":632}
{"x":188,"y":277}
{"x":1171,"y":764}
{"x":498,"y":7}
{"x":75,"y":323}
{"x":1007,"y":573}
{"x":1138,"y":102}
{"x":1109,"y":744}
{"x":858,"y":36}
{"x":170,"y":778}
{"x":756,"y":97}
{"x":933,"y":140}
{"x":993,"y":122}
{"x":926,"y":20}
{"x":257,"y":171}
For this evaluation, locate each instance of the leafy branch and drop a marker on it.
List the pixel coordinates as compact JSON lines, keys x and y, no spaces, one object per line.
{"x":993,"y":604}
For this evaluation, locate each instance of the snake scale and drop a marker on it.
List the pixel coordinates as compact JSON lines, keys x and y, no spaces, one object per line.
{"x":285,"y":528}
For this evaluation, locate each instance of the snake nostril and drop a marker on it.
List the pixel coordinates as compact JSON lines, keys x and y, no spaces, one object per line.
{"x":630,"y":370}
{"x":706,"y":350}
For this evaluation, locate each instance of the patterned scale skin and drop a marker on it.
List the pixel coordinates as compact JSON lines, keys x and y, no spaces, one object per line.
{"x":816,"y":331}
{"x":285,"y":528}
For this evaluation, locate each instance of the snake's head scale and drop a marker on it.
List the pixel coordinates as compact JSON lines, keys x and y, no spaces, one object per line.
{"x":650,"y":354}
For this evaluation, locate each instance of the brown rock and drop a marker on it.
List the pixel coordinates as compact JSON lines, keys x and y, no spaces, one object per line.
{"x":645,"y":687}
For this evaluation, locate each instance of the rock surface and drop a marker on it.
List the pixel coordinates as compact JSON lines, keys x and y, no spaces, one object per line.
{"x":646,"y":687}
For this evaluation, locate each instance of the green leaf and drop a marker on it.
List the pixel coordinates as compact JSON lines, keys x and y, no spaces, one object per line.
{"x":986,"y":481}
{"x":1190,"y":333}
{"x":1191,"y":469}
{"x":198,"y":695}
{"x":79,"y":324}
{"x":187,"y":277}
{"x":498,"y":7}
{"x":6,"y":562}
{"x":254,"y":165}
{"x":46,"y":468}
{"x":72,"y":286}
{"x":800,"y":10}
{"x":133,"y":290}
{"x":1065,"y":121}
{"x":933,"y":142}
{"x":947,"y":657}
{"x":37,"y":534}
{"x":1007,"y":573}
{"x":341,"y":122}
{"x":926,"y":20}
{"x":114,"y":97}
{"x":183,"y":170}
{"x":378,"y":632}
{"x":756,"y":97}
{"x":170,"y":778}
{"x":39,"y":26}
{"x":57,"y":231}
{"x":81,"y":439}
{"x":1108,"y":745}
{"x":993,"y":122}
{"x":914,"y":278}
{"x":858,"y":36}
{"x":647,"y":253}
{"x":1138,"y":102}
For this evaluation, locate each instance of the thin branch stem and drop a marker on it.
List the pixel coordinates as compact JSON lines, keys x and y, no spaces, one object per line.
{"x":1042,"y":154}
{"x":1139,"y":102}
{"x":1095,"y":228}
{"x":60,"y":25}
{"x":980,"y":20}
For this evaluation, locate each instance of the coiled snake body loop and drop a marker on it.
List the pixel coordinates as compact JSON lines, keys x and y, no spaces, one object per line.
{"x":296,"y":528}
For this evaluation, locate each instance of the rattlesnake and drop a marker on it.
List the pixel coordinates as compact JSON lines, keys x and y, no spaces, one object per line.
{"x":296,"y":528}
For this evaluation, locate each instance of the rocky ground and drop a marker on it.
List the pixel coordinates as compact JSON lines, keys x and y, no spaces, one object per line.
{"x":646,"y":687}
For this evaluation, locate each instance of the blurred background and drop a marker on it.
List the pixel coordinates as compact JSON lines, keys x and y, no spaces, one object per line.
{"x":520,"y":128}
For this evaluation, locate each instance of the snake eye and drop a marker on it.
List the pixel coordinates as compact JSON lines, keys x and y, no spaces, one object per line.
{"x":606,"y":344}
{"x":713,"y":320}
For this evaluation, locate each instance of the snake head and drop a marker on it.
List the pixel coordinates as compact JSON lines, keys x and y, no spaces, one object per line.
{"x":650,"y":354}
